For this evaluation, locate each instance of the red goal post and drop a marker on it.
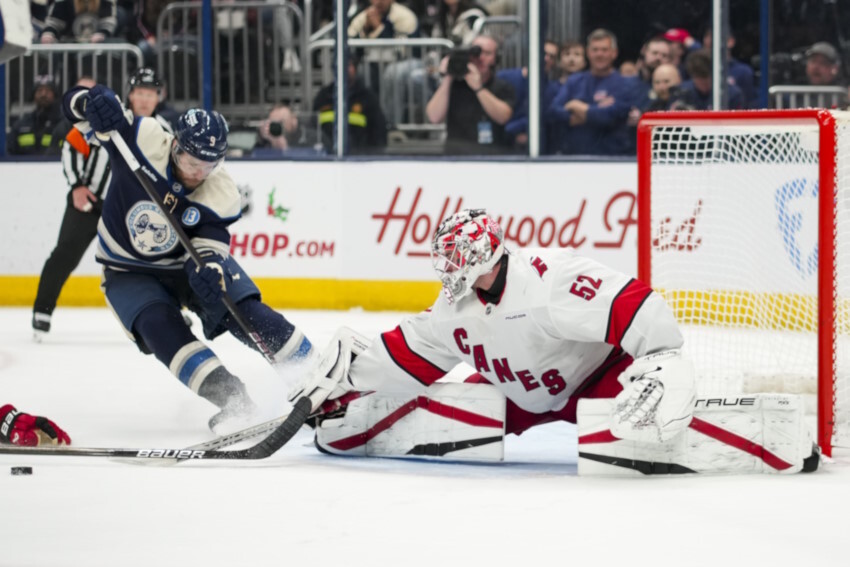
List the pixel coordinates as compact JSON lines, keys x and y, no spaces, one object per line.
{"x":744,"y":227}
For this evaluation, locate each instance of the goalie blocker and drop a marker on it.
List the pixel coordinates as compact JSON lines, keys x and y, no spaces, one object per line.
{"x":759,"y":433}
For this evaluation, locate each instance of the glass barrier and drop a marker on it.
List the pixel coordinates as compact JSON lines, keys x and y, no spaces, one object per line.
{"x":451,"y":78}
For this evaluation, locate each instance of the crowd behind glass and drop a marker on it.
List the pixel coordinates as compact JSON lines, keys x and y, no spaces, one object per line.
{"x":466,"y":100}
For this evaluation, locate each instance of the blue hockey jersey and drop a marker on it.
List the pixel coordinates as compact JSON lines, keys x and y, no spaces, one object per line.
{"x":133,"y":233}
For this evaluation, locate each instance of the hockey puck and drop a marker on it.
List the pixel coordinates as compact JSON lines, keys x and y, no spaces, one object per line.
{"x":21,"y":471}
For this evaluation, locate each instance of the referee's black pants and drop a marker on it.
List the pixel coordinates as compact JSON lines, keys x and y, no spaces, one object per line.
{"x":77,"y":231}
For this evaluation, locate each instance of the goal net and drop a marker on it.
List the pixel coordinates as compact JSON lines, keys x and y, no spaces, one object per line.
{"x":744,"y":228}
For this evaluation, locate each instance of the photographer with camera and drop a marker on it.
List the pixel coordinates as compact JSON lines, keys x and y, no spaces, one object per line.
{"x":282,"y":131}
{"x":473,"y":103}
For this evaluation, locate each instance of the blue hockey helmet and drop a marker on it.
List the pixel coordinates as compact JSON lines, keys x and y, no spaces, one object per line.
{"x":202,"y":134}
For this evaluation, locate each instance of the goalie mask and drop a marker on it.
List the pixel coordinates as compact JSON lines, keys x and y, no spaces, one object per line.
{"x":467,"y":245}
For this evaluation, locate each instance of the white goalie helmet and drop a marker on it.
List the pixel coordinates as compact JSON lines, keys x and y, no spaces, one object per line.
{"x":466,"y":245}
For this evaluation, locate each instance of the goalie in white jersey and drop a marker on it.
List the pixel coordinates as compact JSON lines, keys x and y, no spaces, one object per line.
{"x":544,"y":326}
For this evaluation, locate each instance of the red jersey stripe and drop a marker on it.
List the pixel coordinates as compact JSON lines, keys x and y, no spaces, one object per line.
{"x":623,"y":310}
{"x":418,"y":367}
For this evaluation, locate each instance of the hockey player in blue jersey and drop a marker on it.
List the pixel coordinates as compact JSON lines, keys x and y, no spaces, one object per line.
{"x":148,"y":275}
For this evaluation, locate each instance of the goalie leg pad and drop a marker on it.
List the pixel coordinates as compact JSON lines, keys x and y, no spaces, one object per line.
{"x":759,"y":433}
{"x":454,"y":422}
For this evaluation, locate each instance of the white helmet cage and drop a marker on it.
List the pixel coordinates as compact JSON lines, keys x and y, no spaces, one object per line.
{"x":467,"y":245}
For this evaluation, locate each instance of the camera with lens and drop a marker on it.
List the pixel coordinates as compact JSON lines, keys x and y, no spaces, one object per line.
{"x":276,"y":129}
{"x":459,"y":58}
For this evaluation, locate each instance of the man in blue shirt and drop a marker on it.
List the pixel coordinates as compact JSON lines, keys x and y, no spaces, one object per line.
{"x":740,"y":74}
{"x":697,"y":93}
{"x":592,"y":107}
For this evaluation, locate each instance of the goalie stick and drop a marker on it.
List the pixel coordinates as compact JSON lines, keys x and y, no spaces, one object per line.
{"x":265,"y":448}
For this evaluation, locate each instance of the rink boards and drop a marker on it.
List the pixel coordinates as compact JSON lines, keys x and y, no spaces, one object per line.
{"x":349,"y":234}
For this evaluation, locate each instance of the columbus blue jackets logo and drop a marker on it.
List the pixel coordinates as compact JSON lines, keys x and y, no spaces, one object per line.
{"x":149,"y":230}
{"x":797,"y":216}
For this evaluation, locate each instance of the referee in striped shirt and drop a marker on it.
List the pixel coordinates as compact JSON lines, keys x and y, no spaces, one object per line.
{"x":86,"y":167}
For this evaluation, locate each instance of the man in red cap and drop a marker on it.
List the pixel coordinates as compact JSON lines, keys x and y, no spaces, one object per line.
{"x":681,"y":42}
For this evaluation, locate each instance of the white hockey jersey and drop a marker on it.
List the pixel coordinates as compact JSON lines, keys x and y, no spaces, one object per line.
{"x":559,"y":318}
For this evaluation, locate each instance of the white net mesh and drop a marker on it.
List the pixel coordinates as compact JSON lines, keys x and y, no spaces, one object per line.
{"x":734,"y":221}
{"x":841,"y":355}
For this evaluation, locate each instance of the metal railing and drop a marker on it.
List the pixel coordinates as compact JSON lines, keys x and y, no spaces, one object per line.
{"x":398,"y":70}
{"x":257,"y":57}
{"x":795,"y":96}
{"x":110,"y":64}
{"x":513,"y":51}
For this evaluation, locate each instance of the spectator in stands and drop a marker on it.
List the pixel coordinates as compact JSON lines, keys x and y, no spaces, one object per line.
{"x":367,"y":126}
{"x":456,"y":20}
{"x":696,"y":93}
{"x":81,"y":22}
{"x":38,"y":15}
{"x":592,"y":107}
{"x":628,"y":68}
{"x":502,"y":7}
{"x":681,"y":43}
{"x":739,"y":73}
{"x":384,"y":19}
{"x":32,"y":134}
{"x":283,"y":131}
{"x":143,"y":34}
{"x":656,"y":51}
{"x":410,"y":83}
{"x":665,"y":89}
{"x":822,"y":65}
{"x":572,"y":60}
{"x":474,"y":105}
{"x":517,"y":127}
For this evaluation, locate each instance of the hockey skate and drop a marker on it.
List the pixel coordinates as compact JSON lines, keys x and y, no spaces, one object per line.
{"x":40,"y":325}
{"x":237,"y":414}
{"x":228,"y":393}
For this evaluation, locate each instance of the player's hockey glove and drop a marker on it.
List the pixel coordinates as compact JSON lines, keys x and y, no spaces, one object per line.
{"x":27,"y":430}
{"x":207,"y":281}
{"x":103,"y":109}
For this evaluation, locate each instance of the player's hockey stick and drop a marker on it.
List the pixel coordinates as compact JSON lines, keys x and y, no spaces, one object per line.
{"x":265,"y":448}
{"x":142,"y":174}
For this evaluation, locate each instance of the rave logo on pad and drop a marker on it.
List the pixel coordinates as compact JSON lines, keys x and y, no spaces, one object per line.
{"x":149,"y":230}
{"x":797,"y":215}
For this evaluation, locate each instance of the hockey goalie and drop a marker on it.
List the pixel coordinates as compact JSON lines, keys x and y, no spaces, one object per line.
{"x":551,"y":336}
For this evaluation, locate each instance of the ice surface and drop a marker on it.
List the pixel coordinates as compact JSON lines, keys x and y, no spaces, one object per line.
{"x":300,"y":506}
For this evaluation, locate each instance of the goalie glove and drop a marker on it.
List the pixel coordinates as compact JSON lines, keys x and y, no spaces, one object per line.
{"x":329,"y":379}
{"x":657,"y":401}
{"x":19,"y":428}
